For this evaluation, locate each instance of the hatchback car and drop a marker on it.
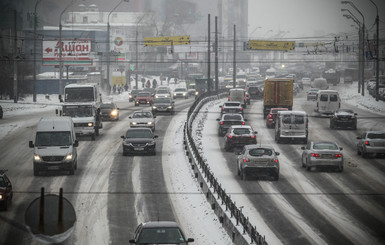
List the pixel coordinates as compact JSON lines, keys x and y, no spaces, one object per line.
{"x":1,"y":112}
{"x":228,"y":120}
{"x":231,"y":107}
{"x":343,"y":118}
{"x":142,"y":119}
{"x":270,"y":118}
{"x":312,"y":93}
{"x":239,"y":136}
{"x":139,"y":140}
{"x":180,"y":93}
{"x":132,"y":95}
{"x":160,"y":232}
{"x":6,"y":192}
{"x":371,"y":143}
{"x":323,"y":154}
{"x":163,"y":105}
{"x":162,"y":93}
{"x":143,"y":98}
{"x":109,"y":111}
{"x":258,"y":160}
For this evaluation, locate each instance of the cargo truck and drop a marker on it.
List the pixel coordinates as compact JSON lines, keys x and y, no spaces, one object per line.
{"x":278,"y":92}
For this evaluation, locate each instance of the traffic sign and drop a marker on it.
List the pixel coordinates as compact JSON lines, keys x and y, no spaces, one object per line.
{"x":271,"y":45}
{"x":167,"y":41}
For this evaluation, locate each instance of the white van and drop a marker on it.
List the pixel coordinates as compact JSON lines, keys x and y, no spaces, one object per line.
{"x":238,"y":94}
{"x":291,"y":125}
{"x":327,"y":101}
{"x":55,"y":145}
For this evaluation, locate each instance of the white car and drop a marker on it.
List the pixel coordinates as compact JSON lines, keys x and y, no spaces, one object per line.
{"x":180,"y":93}
{"x":142,"y":119}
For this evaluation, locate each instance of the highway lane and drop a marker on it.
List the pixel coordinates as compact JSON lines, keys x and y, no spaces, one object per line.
{"x":317,"y":207}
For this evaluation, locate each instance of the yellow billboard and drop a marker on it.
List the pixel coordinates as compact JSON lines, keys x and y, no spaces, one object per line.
{"x":271,"y":45}
{"x":167,"y":41}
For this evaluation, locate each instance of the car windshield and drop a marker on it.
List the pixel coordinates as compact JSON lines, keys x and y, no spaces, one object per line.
{"x":2,"y":182}
{"x":345,"y":110}
{"x":138,"y":134}
{"x":296,"y":119}
{"x":260,"y":152}
{"x":143,"y":114}
{"x":232,"y":117}
{"x":241,"y":131}
{"x":180,"y":90}
{"x":376,"y":136}
{"x":232,"y":104}
{"x":77,"y":111}
{"x":325,"y":146}
{"x":162,"y":92}
{"x":160,"y":236}
{"x":162,"y":100}
{"x":107,"y":106}
{"x":53,"y":139}
{"x":144,"y":94}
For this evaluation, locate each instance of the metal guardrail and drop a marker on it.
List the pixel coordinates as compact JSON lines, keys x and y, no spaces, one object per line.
{"x":210,"y":185}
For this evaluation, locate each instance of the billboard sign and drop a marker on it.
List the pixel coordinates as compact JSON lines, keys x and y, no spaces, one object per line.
{"x":166,"y":41}
{"x":75,"y":52}
{"x":271,"y":45}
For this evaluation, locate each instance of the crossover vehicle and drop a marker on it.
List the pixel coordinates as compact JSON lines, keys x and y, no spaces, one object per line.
{"x":142,"y":119}
{"x":6,"y":192}
{"x":132,"y":95}
{"x":323,"y":154}
{"x":343,"y":118}
{"x":228,"y":120}
{"x":139,"y":140}
{"x":143,"y":98}
{"x":371,"y":143}
{"x":163,"y":105}
{"x":180,"y":93}
{"x":160,"y":232}
{"x":270,"y":118}
{"x":239,"y":136}
{"x":231,"y":107}
{"x":258,"y":160}
{"x":109,"y":111}
{"x":238,"y":94}
{"x":162,"y":93}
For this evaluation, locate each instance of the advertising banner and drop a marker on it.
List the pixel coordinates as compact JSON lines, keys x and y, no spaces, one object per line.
{"x":75,"y":52}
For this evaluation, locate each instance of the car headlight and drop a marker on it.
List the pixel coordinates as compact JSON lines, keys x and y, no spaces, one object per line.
{"x":127,"y":143}
{"x":174,"y":94}
{"x":36,"y":158}
{"x":69,"y":157}
{"x":196,"y":92}
{"x":130,"y":96}
{"x":114,"y":112}
{"x":90,"y":124}
{"x":149,"y":123}
{"x":1,"y":197}
{"x":156,"y":96}
{"x":151,"y":143}
{"x":184,"y":94}
{"x":154,"y":107}
{"x":133,"y":123}
{"x":169,"y":107}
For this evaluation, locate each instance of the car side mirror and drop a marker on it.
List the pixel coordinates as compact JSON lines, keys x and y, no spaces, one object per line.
{"x":122,"y":137}
{"x":31,"y":145}
{"x":131,"y":241}
{"x":255,"y":132}
{"x":60,"y":98}
{"x":155,"y":136}
{"x":245,"y":119}
{"x":220,"y":106}
{"x":358,"y":137}
{"x":130,"y":117}
{"x":76,"y":144}
{"x":218,"y":119}
{"x":341,"y":148}
{"x":302,"y":147}
{"x":277,"y":153}
{"x":190,"y":240}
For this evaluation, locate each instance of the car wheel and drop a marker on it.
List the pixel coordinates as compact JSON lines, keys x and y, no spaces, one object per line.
{"x":136,"y":104}
{"x":227,"y":147}
{"x":302,"y":163}
{"x":308,"y":168}
{"x":35,"y":171}
{"x":331,"y":125}
{"x":243,"y":175}
{"x":124,"y":153}
{"x":355,"y":127}
{"x":72,"y":170}
{"x":93,"y":137}
{"x":154,"y":153}
{"x":276,"y":177}
{"x":238,"y":171}
{"x":358,"y":151}
{"x":340,"y":169}
{"x":97,"y":131}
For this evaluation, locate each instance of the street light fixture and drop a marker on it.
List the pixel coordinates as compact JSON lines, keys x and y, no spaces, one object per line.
{"x":363,"y":48}
{"x":108,"y":46}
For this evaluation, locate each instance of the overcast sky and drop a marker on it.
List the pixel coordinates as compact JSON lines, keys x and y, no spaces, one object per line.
{"x":309,"y":18}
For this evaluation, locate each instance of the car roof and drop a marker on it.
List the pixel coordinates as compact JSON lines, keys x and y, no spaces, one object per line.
{"x":292,"y":112}
{"x":324,"y":142}
{"x":241,"y":126}
{"x":139,"y":129}
{"x":259,"y":146}
{"x":163,"y":224}
{"x":231,"y":101}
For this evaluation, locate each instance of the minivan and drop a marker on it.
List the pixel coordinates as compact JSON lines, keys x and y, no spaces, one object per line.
{"x":327,"y":101}
{"x":291,"y":125}
{"x":238,"y":94}
{"x":55,"y":145}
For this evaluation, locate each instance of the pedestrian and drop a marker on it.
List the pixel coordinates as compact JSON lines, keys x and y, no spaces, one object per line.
{"x":114,"y":89}
{"x":148,"y":85}
{"x":154,"y":83}
{"x":126,"y":87}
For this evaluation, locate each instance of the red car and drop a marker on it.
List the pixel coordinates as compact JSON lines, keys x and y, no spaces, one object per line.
{"x":270,"y":119}
{"x":143,"y":98}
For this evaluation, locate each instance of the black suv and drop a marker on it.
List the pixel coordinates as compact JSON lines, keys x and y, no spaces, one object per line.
{"x":344,"y":118}
{"x":139,"y":140}
{"x":6,"y":192}
{"x":227,"y":120}
{"x":163,"y":105}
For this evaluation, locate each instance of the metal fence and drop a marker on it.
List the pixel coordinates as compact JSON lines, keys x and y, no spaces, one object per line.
{"x":214,"y":188}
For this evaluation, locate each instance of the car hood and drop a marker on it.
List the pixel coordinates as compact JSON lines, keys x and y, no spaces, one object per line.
{"x":53,"y":150}
{"x":138,"y":140}
{"x":141,"y":120}
{"x":162,"y":104}
{"x":82,"y":119}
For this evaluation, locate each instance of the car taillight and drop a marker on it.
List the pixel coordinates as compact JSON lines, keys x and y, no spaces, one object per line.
{"x":240,"y":109}
{"x":223,"y":108}
{"x":275,"y":160}
{"x":229,"y":136}
{"x":367,"y":142}
{"x":246,"y":159}
{"x":228,"y":98}
{"x":243,"y":123}
{"x":269,"y":116}
{"x":337,"y":155}
{"x":221,"y":123}
{"x":253,"y":136}
{"x":315,"y":155}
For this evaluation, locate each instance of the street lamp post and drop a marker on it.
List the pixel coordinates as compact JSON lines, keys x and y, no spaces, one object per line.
{"x":108,"y":46}
{"x":377,"y":50}
{"x":34,"y":49}
{"x":136,"y":52}
{"x":363,"y":47}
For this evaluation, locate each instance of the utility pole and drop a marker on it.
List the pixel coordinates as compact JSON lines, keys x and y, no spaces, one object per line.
{"x":216,"y":54}
{"x":208,"y":57}
{"x":15,"y":92}
{"x":234,"y":59}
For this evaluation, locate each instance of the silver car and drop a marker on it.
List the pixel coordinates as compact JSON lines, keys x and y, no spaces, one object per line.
{"x":371,"y":143}
{"x":142,"y":119}
{"x":258,"y":159}
{"x":322,"y":154}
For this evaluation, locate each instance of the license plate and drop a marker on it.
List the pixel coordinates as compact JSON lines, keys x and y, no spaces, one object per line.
{"x":53,"y":167}
{"x":139,"y":149}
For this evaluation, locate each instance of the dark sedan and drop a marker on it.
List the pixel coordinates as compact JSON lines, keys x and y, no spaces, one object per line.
{"x":228,"y":120}
{"x":139,"y":140}
{"x":231,"y":107}
{"x":109,"y":111}
{"x":239,"y":136}
{"x":343,"y":118}
{"x":132,"y":95}
{"x":163,"y":105}
{"x":6,"y":192}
